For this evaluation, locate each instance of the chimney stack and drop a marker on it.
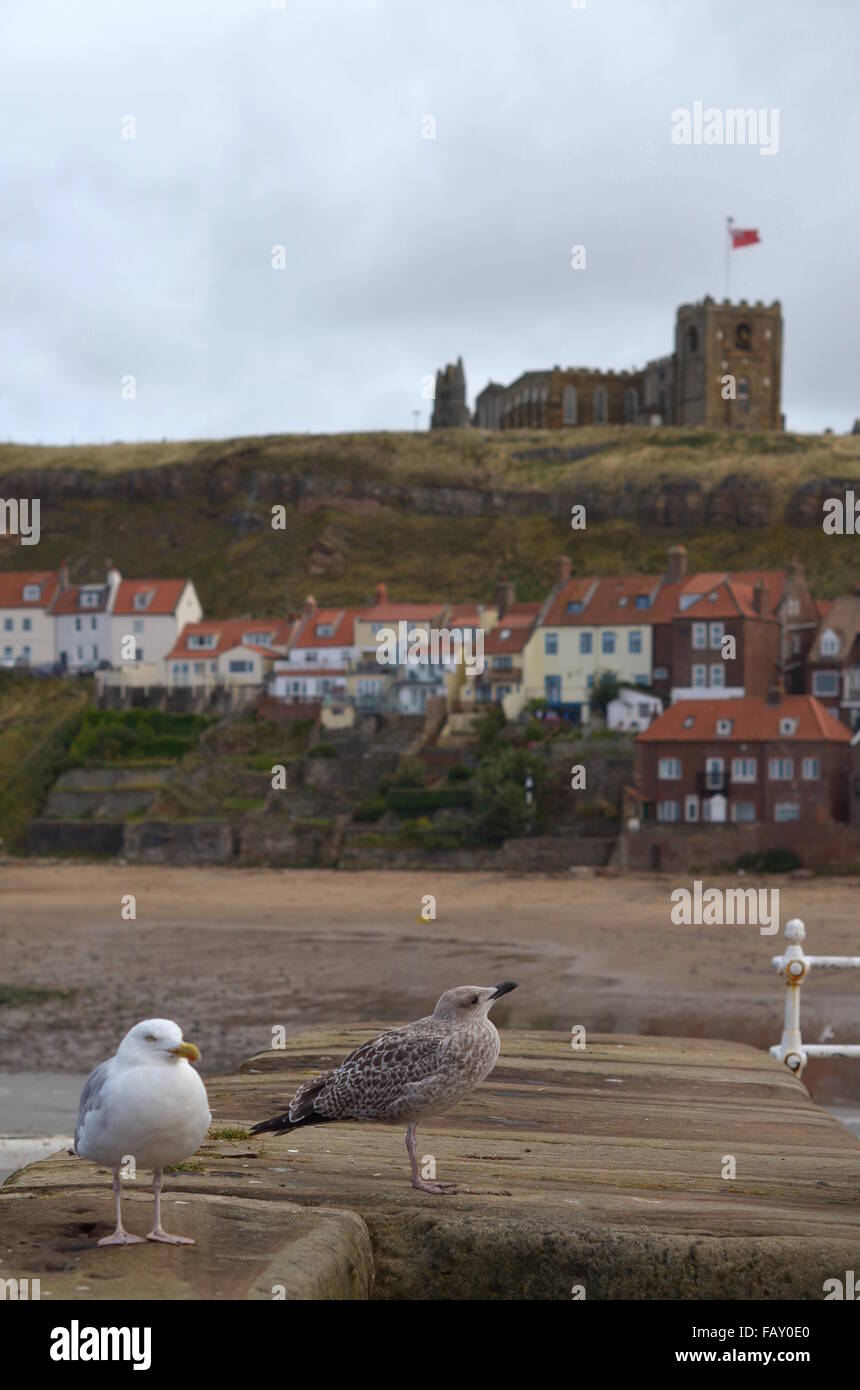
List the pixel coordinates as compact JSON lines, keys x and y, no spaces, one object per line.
{"x":64,"y":576}
{"x":310,"y":607}
{"x":758,"y":596}
{"x":677,"y":569}
{"x":505,"y":596}
{"x":562,"y":570}
{"x":381,"y":593}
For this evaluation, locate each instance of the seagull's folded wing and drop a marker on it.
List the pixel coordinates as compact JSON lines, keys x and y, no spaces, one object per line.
{"x":376,"y":1075}
{"x":92,"y":1096}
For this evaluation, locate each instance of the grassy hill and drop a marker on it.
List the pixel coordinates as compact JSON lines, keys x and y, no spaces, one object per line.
{"x":402,"y":507}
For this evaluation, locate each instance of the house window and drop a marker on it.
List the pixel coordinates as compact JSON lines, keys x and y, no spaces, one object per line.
{"x":95,"y":651}
{"x":810,"y":769}
{"x":550,"y":643}
{"x":200,"y":668}
{"x":693,"y":340}
{"x":700,"y":677}
{"x":634,"y":642}
{"x":574,"y":606}
{"x":787,"y":727}
{"x":239,"y":668}
{"x":743,"y":395}
{"x":78,"y":624}
{"x":323,"y":630}
{"x":716,"y":635}
{"x":607,"y":643}
{"x":744,"y":769}
{"x":201,"y":639}
{"x":830,"y":643}
{"x":667,"y":810}
{"x":724,"y":727}
{"x":600,"y":406}
{"x":552,"y":689}
{"x":137,"y":625}
{"x":503,"y":663}
{"x":786,"y":810}
{"x":718,"y":676}
{"x":25,"y":652}
{"x":669,"y":769}
{"x":689,"y":721}
{"x":586,"y":643}
{"x":643,"y":601}
{"x":568,"y":405}
{"x":31,"y":593}
{"x":743,"y":811}
{"x":780,"y":769}
{"x":26,"y":624}
{"x":714,"y":774}
{"x":631,"y":406}
{"x":143,"y":600}
{"x":661,"y":673}
{"x":310,"y":658}
{"x":700,"y":635}
{"x":825,"y":682}
{"x":691,"y":808}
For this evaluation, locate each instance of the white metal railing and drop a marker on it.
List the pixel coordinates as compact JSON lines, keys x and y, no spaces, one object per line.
{"x":795,"y":966}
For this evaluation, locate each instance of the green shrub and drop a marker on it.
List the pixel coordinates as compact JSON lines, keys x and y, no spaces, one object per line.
{"x":411,"y":772}
{"x":372,"y":809}
{"x":459,"y":773}
{"x":323,"y":750}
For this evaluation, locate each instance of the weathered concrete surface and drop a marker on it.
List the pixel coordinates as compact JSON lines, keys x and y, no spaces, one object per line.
{"x":245,"y":1248}
{"x":601,"y":1168}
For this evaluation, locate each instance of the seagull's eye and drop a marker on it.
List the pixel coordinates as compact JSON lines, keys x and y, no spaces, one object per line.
{"x":474,"y":999}
{"x":150,"y":1037}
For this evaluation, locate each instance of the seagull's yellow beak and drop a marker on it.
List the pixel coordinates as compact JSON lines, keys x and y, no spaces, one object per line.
{"x":186,"y":1049}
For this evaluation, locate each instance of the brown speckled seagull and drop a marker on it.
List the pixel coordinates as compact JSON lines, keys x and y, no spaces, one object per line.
{"x":407,"y":1074}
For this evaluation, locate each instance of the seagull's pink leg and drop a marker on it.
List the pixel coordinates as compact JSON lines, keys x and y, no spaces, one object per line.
{"x":157,"y":1232}
{"x":417,"y":1180}
{"x":120,"y":1236}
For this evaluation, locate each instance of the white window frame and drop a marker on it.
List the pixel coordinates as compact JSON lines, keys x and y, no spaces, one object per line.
{"x":776,"y":769}
{"x":810,"y":769}
{"x":744,"y":769}
{"x":700,"y":636}
{"x":669,"y":770}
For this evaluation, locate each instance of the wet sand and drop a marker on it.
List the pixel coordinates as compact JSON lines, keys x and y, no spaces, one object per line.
{"x":232,"y":954}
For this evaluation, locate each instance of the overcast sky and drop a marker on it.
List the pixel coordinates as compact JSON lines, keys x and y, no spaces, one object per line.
{"x":259,"y":126}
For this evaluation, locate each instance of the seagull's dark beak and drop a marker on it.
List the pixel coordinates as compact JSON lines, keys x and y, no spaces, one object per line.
{"x":504,"y":988}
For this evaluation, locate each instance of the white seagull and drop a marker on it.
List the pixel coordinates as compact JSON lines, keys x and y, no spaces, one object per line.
{"x":406,"y":1074}
{"x":145,"y":1105}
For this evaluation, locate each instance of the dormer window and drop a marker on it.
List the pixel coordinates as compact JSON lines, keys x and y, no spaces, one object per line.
{"x":689,"y":721}
{"x":505,"y":634}
{"x":712,"y":597}
{"x":725,"y":726}
{"x":787,"y":727}
{"x":258,"y":639}
{"x":143,"y":599}
{"x":32,"y":593}
{"x":622,"y":601}
{"x":90,"y":598}
{"x":201,"y":640}
{"x":323,"y":630}
{"x":830,"y":643}
{"x":575,"y":606}
{"x":643,"y":601}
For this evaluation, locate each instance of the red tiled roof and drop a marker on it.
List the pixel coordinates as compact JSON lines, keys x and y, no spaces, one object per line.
{"x":165,"y":597}
{"x":753,"y":721}
{"x":517,"y":623}
{"x":728,"y":598}
{"x":607,"y":601}
{"x":341,"y":620}
{"x":68,"y":600}
{"x":12,"y":588}
{"x":230,"y":633}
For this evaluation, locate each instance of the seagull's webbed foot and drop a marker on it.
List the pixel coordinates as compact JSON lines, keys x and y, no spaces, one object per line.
{"x":439,"y":1188}
{"x":167,"y":1239}
{"x":121,"y":1237}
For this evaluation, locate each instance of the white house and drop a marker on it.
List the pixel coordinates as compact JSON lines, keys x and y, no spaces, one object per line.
{"x":321,"y":653}
{"x":153,"y":612}
{"x":82,"y":615}
{"x":633,"y":710}
{"x":27,"y":600}
{"x":226,"y":652}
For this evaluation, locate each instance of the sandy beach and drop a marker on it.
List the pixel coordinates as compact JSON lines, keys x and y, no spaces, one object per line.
{"x":232,"y":954}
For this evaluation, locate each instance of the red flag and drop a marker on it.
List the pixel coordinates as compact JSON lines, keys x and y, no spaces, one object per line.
{"x":743,"y":236}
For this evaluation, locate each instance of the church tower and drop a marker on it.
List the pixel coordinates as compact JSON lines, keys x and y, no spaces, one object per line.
{"x":450,"y":410}
{"x":728,"y":365}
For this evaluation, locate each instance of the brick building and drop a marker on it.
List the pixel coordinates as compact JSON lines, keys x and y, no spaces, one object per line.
{"x":833,"y":662}
{"x":775,"y":759}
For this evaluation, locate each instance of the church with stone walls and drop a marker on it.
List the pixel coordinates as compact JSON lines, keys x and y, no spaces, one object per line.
{"x":725,"y":373}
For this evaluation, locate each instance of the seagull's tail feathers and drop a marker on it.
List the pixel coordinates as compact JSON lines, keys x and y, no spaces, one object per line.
{"x":300,"y":1113}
